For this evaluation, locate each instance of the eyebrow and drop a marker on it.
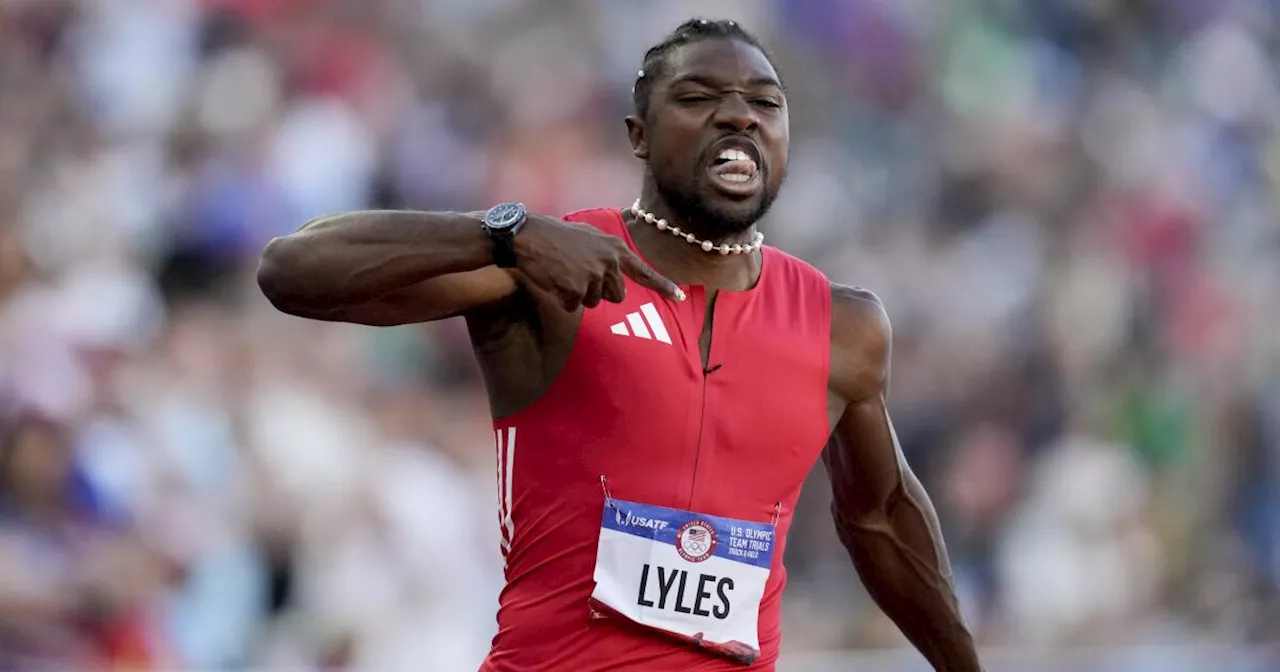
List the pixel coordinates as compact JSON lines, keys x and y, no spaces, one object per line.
{"x":714,"y":83}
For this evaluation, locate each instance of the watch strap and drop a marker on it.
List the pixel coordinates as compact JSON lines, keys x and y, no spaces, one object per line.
{"x":504,"y":248}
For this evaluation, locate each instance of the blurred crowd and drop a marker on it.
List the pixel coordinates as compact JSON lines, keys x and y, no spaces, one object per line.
{"x":1069,"y":208}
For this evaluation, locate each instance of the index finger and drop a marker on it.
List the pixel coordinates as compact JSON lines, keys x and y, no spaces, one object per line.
{"x":637,"y":270}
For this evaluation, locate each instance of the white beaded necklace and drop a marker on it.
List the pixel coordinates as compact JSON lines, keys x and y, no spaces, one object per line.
{"x":706,"y":245}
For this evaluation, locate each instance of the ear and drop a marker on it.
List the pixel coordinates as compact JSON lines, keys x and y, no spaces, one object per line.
{"x":638,"y":133}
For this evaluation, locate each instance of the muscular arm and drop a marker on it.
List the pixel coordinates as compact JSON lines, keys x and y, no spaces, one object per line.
{"x":384,"y":268}
{"x":882,"y":514}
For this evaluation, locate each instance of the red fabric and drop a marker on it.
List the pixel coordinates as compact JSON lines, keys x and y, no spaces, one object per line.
{"x":127,"y":644}
{"x":641,"y":413}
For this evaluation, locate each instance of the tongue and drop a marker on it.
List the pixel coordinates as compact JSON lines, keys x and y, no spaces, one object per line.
{"x":740,"y":167}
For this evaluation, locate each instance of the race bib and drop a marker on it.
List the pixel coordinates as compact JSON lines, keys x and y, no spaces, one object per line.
{"x":695,"y":576}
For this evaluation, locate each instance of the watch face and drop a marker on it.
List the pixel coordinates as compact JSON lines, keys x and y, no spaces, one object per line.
{"x":504,"y":215}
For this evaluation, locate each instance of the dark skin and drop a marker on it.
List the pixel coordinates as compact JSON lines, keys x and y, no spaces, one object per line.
{"x":389,"y":268}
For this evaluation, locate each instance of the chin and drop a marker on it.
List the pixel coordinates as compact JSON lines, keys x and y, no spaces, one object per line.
{"x":731,"y":216}
{"x":734,"y":215}
{"x":719,"y":212}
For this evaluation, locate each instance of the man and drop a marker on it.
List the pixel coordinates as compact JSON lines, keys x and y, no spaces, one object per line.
{"x":661,"y":385}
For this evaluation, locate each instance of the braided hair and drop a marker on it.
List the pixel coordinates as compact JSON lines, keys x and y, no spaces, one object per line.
{"x":694,"y":30}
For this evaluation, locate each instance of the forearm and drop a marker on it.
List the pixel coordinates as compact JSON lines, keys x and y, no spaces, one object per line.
{"x":355,"y":257}
{"x":900,"y":556}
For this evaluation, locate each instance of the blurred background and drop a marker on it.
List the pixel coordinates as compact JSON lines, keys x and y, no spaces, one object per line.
{"x":1069,"y":208}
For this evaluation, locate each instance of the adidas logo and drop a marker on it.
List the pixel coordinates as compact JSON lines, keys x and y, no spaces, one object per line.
{"x":645,"y":323}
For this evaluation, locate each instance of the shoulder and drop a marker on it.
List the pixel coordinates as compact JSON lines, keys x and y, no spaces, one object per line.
{"x":856,"y":303}
{"x":861,"y":340}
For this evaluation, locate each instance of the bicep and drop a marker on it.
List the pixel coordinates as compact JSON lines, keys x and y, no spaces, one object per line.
{"x":863,"y":459}
{"x":430,"y":300}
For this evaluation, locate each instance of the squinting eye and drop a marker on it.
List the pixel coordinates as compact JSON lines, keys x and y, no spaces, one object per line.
{"x":695,"y":99}
{"x":768,"y":103}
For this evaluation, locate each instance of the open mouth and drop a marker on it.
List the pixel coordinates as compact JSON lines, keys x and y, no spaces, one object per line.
{"x":735,"y":170}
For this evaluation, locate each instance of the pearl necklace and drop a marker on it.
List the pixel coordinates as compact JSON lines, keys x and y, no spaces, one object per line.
{"x":706,"y":245}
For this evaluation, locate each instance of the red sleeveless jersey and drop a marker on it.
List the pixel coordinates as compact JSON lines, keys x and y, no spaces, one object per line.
{"x":633,"y":404}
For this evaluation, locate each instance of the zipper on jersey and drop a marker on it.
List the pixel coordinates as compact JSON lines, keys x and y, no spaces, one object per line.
{"x":708,"y":314}
{"x":697,"y":450}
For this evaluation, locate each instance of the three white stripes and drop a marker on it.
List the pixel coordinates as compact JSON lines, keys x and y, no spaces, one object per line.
{"x":506,"y":467}
{"x":646,"y":324}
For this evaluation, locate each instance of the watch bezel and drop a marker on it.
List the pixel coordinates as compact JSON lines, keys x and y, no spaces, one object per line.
{"x":504,"y":217}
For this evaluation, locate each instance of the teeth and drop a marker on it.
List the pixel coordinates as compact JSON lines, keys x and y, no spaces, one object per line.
{"x":735,"y":166}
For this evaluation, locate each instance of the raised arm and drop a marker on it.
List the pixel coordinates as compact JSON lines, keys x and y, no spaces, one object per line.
{"x":383,"y":268}
{"x":386,"y":268}
{"x":882,"y":514}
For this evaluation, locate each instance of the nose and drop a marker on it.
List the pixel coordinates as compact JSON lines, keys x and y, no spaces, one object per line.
{"x":736,"y":114}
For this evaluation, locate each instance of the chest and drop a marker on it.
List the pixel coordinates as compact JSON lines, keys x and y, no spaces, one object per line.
{"x":704,"y":405}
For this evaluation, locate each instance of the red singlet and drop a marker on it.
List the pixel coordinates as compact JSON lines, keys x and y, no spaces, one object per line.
{"x":634,"y":405}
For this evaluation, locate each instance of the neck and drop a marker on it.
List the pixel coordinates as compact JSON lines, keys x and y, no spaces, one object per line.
{"x":690,"y":264}
{"x":652,"y":202}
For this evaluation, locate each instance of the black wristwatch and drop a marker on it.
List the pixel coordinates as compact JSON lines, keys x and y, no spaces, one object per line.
{"x":502,"y":222}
